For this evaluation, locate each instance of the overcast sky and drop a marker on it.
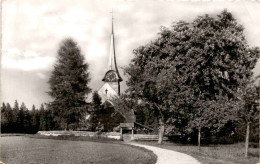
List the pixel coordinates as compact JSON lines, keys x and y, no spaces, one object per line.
{"x":33,"y":29}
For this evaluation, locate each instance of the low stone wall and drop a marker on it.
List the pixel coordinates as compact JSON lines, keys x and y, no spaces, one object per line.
{"x":114,"y":135}
{"x":147,"y":137}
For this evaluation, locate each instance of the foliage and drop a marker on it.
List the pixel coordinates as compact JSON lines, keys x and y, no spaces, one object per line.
{"x":103,"y":117}
{"x":221,"y":62}
{"x":68,"y":83}
{"x":95,"y":111}
{"x":135,"y":111}
{"x":27,"y":121}
{"x":248,"y":111}
{"x":124,"y":105}
{"x":249,"y":101}
{"x":191,"y":74}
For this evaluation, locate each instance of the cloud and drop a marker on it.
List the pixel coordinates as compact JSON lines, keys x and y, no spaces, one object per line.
{"x":26,"y":61}
{"x":24,"y":86}
{"x":32,"y":31}
{"x":41,"y":75}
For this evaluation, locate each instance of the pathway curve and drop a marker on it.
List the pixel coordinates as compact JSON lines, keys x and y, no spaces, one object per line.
{"x":165,"y":156}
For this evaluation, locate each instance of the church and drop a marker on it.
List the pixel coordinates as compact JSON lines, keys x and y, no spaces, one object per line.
{"x":111,"y":89}
{"x":112,"y":78}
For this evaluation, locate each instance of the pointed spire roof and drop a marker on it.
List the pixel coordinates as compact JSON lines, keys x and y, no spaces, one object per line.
{"x":112,"y":54}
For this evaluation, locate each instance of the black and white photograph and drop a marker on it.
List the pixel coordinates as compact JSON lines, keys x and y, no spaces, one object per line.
{"x":130,"y":82}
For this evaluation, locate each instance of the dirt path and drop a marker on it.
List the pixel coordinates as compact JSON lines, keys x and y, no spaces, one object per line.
{"x":165,"y":156}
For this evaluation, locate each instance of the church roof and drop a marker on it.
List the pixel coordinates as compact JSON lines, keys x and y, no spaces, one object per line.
{"x":112,"y":65}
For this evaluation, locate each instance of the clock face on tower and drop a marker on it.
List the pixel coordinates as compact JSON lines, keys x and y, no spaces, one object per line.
{"x":111,"y":76}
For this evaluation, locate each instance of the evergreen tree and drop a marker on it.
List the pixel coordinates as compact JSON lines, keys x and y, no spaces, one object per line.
{"x":69,"y":85}
{"x":27,"y":121}
{"x":15,"y":114}
{"x":104,"y":116}
{"x":4,"y":119}
{"x":3,"y":108}
{"x":21,"y":119}
{"x":96,"y":99}
{"x":110,"y":118}
{"x":16,"y":106}
{"x":35,"y":119}
{"x":95,"y":111}
{"x":42,"y":125}
{"x":10,"y":118}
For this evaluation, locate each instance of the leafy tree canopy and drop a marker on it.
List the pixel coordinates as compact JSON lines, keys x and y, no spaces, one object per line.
{"x":192,"y":68}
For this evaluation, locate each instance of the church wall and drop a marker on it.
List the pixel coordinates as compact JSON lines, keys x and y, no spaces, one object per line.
{"x":114,"y":85}
{"x":106,"y":92}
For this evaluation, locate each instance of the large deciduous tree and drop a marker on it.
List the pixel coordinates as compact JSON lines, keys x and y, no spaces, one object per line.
{"x":221,"y":62}
{"x":191,"y":73}
{"x":69,"y":85}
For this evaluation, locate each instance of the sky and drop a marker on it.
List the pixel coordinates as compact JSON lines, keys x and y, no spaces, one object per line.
{"x":32,"y":31}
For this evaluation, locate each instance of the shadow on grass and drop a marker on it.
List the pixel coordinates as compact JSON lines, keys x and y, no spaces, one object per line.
{"x":71,"y":137}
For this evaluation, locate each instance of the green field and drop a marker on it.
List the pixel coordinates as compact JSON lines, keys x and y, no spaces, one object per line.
{"x":26,"y":150}
{"x":213,"y":154}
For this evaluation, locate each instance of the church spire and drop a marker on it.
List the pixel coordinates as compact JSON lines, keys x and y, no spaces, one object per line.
{"x":112,"y":77}
{"x":112,"y":65}
{"x":112,"y":54}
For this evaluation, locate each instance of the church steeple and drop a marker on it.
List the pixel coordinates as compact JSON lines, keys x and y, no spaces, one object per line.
{"x":112,"y":77}
{"x":112,"y":65}
{"x":112,"y":54}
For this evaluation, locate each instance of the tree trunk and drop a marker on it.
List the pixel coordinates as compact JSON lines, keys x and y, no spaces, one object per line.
{"x":258,"y":107}
{"x":259,"y":127}
{"x":199,"y":129}
{"x":247,"y":138}
{"x":161,"y":133}
{"x":161,"y":130}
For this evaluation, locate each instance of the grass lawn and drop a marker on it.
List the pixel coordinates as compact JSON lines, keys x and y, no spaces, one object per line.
{"x":27,"y":150}
{"x":222,"y":154}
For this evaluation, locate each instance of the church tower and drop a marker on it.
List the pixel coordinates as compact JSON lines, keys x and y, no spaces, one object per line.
{"x":112,"y":78}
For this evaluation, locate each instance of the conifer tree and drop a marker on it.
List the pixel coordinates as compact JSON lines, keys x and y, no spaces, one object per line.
{"x":35,"y":119}
{"x":4,"y":119}
{"x":96,"y":110}
{"x":16,"y":117}
{"x":10,"y":118}
{"x":42,"y":125}
{"x":16,"y":110}
{"x":69,"y":85}
{"x":21,"y":118}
